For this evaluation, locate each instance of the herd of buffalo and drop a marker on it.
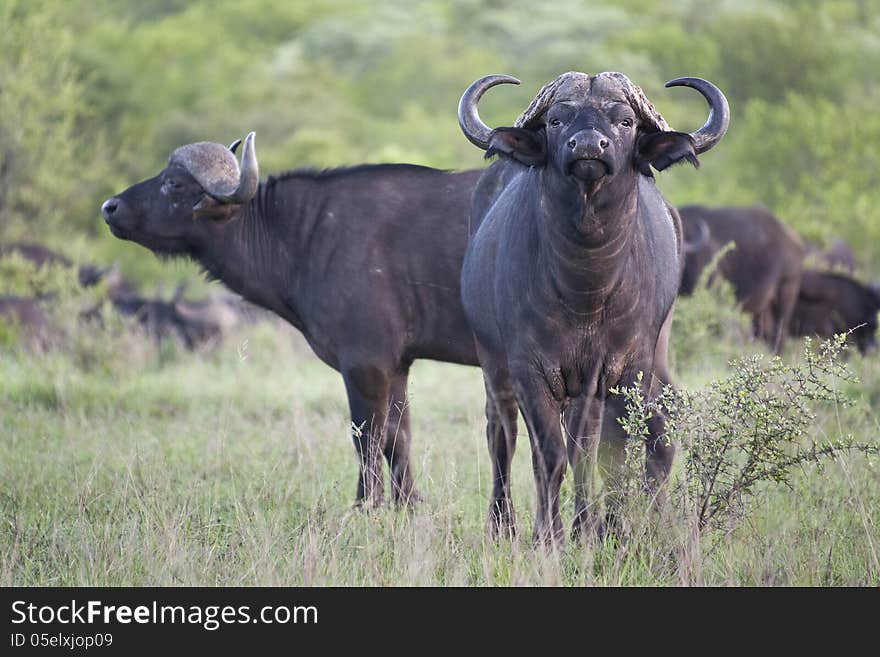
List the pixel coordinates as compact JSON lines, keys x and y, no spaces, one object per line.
{"x":192,"y":323}
{"x":555,"y":269}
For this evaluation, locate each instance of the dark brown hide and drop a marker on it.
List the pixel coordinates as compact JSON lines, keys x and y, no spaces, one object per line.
{"x":830,"y":303}
{"x":365,"y":261}
{"x":764,"y":266}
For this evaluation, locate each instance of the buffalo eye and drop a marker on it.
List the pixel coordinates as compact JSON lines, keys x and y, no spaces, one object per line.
{"x":627,"y":123}
{"x":555,"y":123}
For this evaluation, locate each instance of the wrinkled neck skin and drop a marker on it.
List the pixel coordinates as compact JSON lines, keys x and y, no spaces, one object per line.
{"x":585,"y":237}
{"x":240,"y":253}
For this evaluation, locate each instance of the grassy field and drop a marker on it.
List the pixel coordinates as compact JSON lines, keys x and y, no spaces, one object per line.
{"x":124,"y":464}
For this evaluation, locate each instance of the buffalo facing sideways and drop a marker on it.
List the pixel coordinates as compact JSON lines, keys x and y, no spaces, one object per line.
{"x":192,"y":323}
{"x":572,"y":271}
{"x":764,"y":267}
{"x":364,"y":261}
{"x":830,"y":303}
{"x":29,"y":314}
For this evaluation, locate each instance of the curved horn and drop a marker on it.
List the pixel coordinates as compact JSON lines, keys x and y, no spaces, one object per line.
{"x":719,"y":112}
{"x":691,"y":246}
{"x":234,"y":145}
{"x":249,"y":178}
{"x":469,"y":119}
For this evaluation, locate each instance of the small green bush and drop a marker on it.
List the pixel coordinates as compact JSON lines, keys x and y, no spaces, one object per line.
{"x":751,"y":428}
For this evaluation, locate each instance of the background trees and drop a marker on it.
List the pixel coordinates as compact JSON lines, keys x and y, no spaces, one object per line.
{"x":96,"y":95}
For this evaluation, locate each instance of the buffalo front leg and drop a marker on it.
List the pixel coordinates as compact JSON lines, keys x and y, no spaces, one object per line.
{"x":501,"y":416}
{"x":368,"y":390}
{"x":583,"y":427}
{"x":397,"y":443}
{"x":541,"y":412}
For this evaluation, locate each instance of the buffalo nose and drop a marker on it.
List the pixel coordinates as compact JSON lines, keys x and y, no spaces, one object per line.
{"x":589,"y":142}
{"x":109,"y":207}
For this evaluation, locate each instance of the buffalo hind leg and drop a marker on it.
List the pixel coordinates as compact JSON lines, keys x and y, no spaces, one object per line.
{"x":783,"y":308}
{"x":660,"y":452}
{"x":659,"y":456}
{"x":397,"y":442}
{"x":368,"y":390}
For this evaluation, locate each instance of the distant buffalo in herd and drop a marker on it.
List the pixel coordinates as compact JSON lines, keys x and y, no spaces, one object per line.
{"x":766,"y":267}
{"x":831,"y":303}
{"x":192,"y":323}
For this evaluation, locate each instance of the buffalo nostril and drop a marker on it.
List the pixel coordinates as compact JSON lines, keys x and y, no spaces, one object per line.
{"x":603,"y":143}
{"x":109,"y":207}
{"x":572,"y":143}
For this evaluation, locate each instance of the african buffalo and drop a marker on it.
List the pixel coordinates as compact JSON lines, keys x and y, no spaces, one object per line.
{"x":571,"y":273}
{"x":192,"y":323}
{"x":32,"y":314}
{"x":210,"y":318}
{"x":764,"y":267}
{"x":831,"y":303}
{"x":364,"y":261}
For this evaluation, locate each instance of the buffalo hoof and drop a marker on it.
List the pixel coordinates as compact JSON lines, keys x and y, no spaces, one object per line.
{"x":367,"y":505}
{"x":587,"y":524}
{"x":548,"y":533}
{"x":501,"y":522}
{"x":543,"y":537}
{"x":409,"y":500}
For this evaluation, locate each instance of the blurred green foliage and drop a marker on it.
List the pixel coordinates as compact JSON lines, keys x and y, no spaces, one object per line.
{"x":95,"y":95}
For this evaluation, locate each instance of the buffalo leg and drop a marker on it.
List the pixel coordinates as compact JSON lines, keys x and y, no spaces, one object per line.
{"x":660,"y":453}
{"x":659,"y":457}
{"x":612,"y":462}
{"x":397,"y":442}
{"x":541,"y":412}
{"x":368,"y":390}
{"x":583,"y":425}
{"x":501,"y":417}
{"x":760,"y":305}
{"x":783,"y":307}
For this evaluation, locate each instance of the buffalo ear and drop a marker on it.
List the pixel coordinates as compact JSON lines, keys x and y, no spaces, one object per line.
{"x":210,"y":208}
{"x":663,"y":149}
{"x":522,"y":145}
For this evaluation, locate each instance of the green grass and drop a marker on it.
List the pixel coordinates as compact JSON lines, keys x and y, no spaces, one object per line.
{"x":121,"y":464}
